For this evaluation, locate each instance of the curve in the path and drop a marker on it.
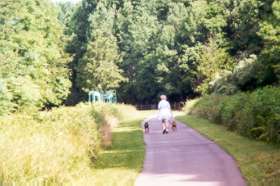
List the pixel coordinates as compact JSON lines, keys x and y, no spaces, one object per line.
{"x":185,"y":158}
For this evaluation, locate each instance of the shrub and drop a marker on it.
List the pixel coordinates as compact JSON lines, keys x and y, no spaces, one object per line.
{"x":206,"y":109}
{"x":5,"y":99}
{"x":231,"y":106}
{"x":255,"y":114}
{"x":263,"y":107}
{"x":190,"y":104}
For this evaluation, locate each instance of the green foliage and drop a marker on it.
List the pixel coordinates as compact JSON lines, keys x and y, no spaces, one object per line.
{"x":244,"y":76}
{"x":56,"y":147}
{"x":243,"y":18}
{"x":51,"y":147}
{"x":95,"y":49}
{"x":255,"y":114}
{"x":248,"y":74}
{"x":270,"y":55}
{"x":98,"y":69}
{"x":66,"y":10}
{"x":262,"y":111}
{"x":249,"y":27}
{"x":5,"y":99}
{"x":215,"y":61}
{"x":230,"y":107}
{"x":141,"y":48}
{"x":25,"y":93}
{"x":32,"y":57}
{"x":180,"y":48}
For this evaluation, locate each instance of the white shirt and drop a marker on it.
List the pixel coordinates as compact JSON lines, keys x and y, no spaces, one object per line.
{"x":163,"y":104}
{"x":164,"y":110}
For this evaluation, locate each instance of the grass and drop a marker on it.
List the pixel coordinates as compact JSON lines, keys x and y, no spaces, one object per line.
{"x":48,"y":148}
{"x":121,"y":163}
{"x":64,"y":146}
{"x":259,"y":162}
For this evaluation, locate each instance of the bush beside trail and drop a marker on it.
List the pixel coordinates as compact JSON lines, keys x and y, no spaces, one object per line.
{"x":255,"y":115}
{"x":55,"y":147}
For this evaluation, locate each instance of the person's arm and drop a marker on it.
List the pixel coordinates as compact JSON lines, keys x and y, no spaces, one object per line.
{"x":168,"y":105}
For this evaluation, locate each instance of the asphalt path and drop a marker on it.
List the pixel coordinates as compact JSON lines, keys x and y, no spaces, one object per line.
{"x":185,"y":157}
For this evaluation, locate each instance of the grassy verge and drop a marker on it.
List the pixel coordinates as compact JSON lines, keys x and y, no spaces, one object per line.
{"x":121,"y":163}
{"x":64,"y":146}
{"x":259,"y":162}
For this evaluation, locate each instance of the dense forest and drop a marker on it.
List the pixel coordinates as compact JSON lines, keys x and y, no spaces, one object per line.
{"x":52,"y":53}
{"x":181,"y":48}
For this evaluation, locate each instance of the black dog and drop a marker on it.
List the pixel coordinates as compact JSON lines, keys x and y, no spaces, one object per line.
{"x":146,"y":127}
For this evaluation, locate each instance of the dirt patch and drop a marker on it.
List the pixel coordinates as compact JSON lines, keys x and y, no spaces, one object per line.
{"x":106,"y":135}
{"x":106,"y":131}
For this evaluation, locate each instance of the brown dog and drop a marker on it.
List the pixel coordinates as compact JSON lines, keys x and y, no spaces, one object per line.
{"x":174,"y":126}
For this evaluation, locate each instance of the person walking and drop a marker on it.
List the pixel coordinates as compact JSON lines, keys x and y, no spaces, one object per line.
{"x":165,"y":114}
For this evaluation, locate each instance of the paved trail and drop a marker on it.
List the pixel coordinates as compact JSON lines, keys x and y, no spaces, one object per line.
{"x":185,"y":158}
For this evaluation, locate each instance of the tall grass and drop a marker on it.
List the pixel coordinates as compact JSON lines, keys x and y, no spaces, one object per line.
{"x":58,"y":147}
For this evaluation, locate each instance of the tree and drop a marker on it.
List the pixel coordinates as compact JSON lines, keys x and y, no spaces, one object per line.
{"x":214,"y":62}
{"x":182,"y":48}
{"x":270,"y":55}
{"x":32,"y":53}
{"x":78,"y":27}
{"x":98,"y":68}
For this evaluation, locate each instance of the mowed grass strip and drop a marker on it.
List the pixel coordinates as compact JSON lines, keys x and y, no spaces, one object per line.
{"x":259,"y":162}
{"x":121,"y":163}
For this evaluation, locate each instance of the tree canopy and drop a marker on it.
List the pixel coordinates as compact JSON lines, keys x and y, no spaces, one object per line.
{"x":141,"y":48}
{"x":182,"y":48}
{"x":33,"y":68}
